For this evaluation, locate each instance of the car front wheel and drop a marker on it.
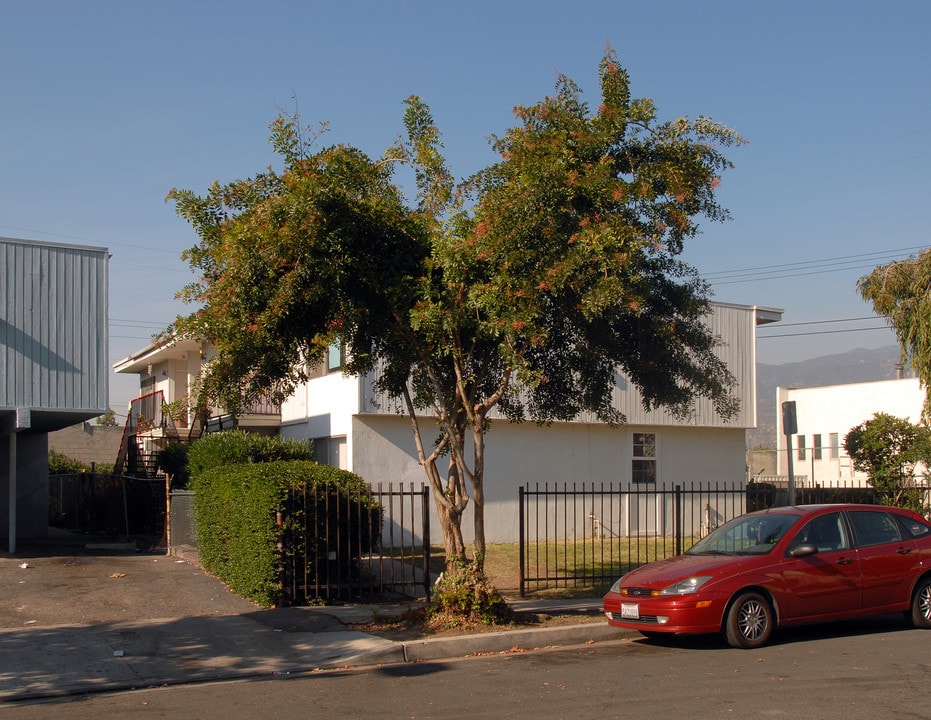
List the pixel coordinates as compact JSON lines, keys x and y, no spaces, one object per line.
{"x":921,"y":604}
{"x":749,"y":622}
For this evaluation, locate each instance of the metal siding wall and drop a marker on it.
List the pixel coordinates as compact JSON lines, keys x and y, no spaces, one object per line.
{"x":53,"y":326}
{"x":734,"y":324}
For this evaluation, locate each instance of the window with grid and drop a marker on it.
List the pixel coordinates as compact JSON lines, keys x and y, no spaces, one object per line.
{"x":643,"y":463}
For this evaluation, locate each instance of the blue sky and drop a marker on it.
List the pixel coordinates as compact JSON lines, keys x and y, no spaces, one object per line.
{"x":105,"y":106}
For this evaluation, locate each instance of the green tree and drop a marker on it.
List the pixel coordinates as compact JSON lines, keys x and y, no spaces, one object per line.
{"x":108,"y":419}
{"x":526,"y":287}
{"x":900,"y":291}
{"x":888,"y":449}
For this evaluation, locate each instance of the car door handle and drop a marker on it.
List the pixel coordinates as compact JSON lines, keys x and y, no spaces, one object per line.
{"x":904,"y":550}
{"x":845,"y":561}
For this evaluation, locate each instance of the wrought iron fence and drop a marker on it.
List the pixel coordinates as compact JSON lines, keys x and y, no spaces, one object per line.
{"x":587,"y":536}
{"x":118,"y":505}
{"x":354,"y":548}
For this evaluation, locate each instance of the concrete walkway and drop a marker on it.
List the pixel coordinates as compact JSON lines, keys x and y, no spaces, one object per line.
{"x":60,"y":661}
{"x":76,"y":618}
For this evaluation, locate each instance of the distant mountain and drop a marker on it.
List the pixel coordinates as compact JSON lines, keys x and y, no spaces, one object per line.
{"x":855,"y":366}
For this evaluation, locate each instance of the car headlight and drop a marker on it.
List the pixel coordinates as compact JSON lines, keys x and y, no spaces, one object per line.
{"x":687,"y":586}
{"x":616,"y":588}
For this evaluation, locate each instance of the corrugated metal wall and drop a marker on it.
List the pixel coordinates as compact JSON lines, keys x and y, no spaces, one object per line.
{"x":734,"y":324}
{"x":53,"y":326}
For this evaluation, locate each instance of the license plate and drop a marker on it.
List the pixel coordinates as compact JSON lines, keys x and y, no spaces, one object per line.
{"x":630,"y":611}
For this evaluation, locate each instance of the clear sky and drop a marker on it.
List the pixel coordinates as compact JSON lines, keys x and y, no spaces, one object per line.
{"x":107,"y":105}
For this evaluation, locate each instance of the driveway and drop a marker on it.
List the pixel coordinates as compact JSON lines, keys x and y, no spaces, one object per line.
{"x":73,"y":581}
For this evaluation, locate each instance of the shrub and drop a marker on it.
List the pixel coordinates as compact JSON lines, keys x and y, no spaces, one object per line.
{"x":173,"y":461}
{"x":464,"y":594}
{"x":59,"y":464}
{"x":232,"y":447}
{"x":254,"y":533}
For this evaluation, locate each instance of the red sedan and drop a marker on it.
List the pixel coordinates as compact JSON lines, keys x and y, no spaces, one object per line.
{"x":780,"y":567}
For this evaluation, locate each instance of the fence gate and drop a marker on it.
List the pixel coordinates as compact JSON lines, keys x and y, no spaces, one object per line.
{"x":99,"y":503}
{"x":355,"y":551}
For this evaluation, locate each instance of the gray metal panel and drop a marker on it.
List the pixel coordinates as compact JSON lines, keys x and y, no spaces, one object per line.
{"x":735,"y":325}
{"x":53,"y":326}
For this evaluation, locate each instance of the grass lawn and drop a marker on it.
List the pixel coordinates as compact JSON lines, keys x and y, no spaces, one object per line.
{"x":585,"y":568}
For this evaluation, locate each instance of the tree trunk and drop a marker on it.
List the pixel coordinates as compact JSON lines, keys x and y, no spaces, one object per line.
{"x":478,"y":492}
{"x":451,"y":525}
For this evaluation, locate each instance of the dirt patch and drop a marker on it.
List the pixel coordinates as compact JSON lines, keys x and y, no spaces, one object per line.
{"x":414,"y":625}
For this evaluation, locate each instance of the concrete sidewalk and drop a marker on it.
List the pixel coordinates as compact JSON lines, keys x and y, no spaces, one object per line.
{"x":65,"y":660}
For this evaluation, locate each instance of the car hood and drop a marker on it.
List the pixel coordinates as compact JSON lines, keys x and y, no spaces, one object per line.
{"x":663,"y":573}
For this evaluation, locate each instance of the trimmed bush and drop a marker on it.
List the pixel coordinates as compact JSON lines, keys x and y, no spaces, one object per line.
{"x":255,"y":524}
{"x":235,"y":447}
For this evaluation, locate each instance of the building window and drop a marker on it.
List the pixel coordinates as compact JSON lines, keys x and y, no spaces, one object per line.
{"x":801,"y":447}
{"x":334,"y":357}
{"x":816,"y":447}
{"x":643,"y":465}
{"x":834,"y":440}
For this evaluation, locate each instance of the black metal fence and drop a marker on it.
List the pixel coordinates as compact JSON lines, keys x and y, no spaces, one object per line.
{"x":587,"y":536}
{"x":116,"y":505}
{"x":355,"y":549}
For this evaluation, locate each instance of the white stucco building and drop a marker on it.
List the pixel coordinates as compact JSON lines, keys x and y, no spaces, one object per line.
{"x":826,"y":414}
{"x":356,"y":428}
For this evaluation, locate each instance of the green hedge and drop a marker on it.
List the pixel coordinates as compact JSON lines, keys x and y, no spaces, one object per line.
{"x":234,"y":447}
{"x":237,"y":508}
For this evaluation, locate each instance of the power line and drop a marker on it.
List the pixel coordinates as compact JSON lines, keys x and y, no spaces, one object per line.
{"x":863,"y":261}
{"x":822,"y":260}
{"x":820,"y":332}
{"x":824,"y":322}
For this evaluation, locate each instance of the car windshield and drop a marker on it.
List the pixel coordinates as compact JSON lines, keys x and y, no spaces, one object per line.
{"x":745,"y":535}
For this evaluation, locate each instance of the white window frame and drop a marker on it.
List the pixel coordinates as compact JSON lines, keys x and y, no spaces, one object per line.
{"x":643,"y":456}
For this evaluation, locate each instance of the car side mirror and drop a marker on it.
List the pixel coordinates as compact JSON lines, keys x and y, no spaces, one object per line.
{"x":803,"y":550}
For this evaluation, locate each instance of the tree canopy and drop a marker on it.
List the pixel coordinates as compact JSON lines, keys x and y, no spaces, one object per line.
{"x":901,"y":291}
{"x":526,"y":287}
{"x":888,"y":449}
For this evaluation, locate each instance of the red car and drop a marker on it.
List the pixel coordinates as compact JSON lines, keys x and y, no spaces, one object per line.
{"x":783,"y":566}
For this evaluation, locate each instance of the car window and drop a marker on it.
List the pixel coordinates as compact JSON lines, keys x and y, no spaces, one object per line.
{"x":912,"y":527}
{"x":746,"y":535}
{"x":873,"y":527}
{"x":826,"y":533}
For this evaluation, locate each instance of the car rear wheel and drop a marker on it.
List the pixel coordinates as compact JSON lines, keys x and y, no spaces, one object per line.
{"x":749,"y":621}
{"x":921,"y":605}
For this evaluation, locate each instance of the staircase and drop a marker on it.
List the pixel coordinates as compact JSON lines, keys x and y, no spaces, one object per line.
{"x":148,"y":429}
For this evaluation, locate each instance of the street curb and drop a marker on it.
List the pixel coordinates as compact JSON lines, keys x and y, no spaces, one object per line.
{"x":498,"y":642}
{"x":379,"y":652}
